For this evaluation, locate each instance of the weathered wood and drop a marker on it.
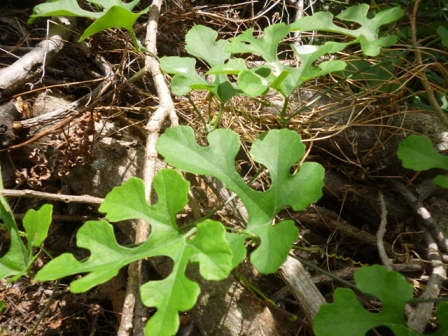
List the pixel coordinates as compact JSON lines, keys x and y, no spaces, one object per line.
{"x":302,"y":287}
{"x":8,"y":115}
{"x":32,"y":65}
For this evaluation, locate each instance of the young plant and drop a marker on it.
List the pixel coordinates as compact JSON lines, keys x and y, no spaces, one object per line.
{"x":273,"y":73}
{"x":206,"y":244}
{"x":19,"y":257}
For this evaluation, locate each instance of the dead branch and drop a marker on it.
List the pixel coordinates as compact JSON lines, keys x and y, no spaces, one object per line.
{"x":381,"y":232}
{"x":425,"y":216}
{"x":302,"y":286}
{"x":32,"y":65}
{"x":28,"y":193}
{"x":133,"y":304}
{"x":423,"y":312}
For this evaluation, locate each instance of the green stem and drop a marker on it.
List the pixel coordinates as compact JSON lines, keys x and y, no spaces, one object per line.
{"x":283,"y":112}
{"x":198,"y":113}
{"x":320,"y":270}
{"x":218,"y":118}
{"x":210,"y":213}
{"x":47,"y":306}
{"x":253,"y":289}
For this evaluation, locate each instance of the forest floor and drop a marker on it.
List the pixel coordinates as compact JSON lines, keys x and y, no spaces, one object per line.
{"x":353,"y":134}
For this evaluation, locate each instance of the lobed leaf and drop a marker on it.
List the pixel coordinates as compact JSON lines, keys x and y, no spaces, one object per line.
{"x":61,"y":8}
{"x":206,"y":245}
{"x":114,"y":17}
{"x":201,"y":42}
{"x":348,"y":316}
{"x":265,"y":46}
{"x":368,"y":33}
{"x":278,"y":150}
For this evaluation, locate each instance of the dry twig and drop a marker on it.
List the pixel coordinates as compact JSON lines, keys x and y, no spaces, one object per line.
{"x":381,"y":232}
{"x":33,"y":63}
{"x":133,"y":307}
{"x":423,"y":312}
{"x":427,"y":220}
{"x":27,"y":193}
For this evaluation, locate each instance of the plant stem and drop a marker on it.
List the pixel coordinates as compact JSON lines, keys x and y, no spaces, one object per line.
{"x":218,"y":118}
{"x":283,"y":112}
{"x":47,"y":306}
{"x":195,"y":108}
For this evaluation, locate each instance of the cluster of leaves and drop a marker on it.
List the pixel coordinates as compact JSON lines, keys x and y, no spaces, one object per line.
{"x":273,"y":73}
{"x":19,"y":257}
{"x":209,"y":244}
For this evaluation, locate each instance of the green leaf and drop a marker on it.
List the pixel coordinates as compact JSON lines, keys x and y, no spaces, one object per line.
{"x":252,"y":84}
{"x":170,"y":295}
{"x":186,"y":78}
{"x":373,"y":48}
{"x":278,"y":150}
{"x":205,"y":245}
{"x":441,"y":181}
{"x":233,"y":67}
{"x":16,"y":260}
{"x":417,"y":152}
{"x":115,"y":14}
{"x":176,"y":292}
{"x":320,"y":21}
{"x":36,"y":224}
{"x":442,"y":317}
{"x":236,"y":244}
{"x":2,"y":305}
{"x":443,"y":33}
{"x":368,"y":33}
{"x":265,"y":46}
{"x":309,"y":54}
{"x":346,"y":316}
{"x":114,"y":17}
{"x":201,"y":42}
{"x":224,"y":90}
{"x":61,"y":8}
{"x":210,"y":252}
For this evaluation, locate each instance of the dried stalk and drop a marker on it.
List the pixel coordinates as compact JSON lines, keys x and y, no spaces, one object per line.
{"x":133,"y":307}
{"x":31,"y":65}
{"x":27,"y":193}
{"x":423,"y":312}
{"x":381,"y":232}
